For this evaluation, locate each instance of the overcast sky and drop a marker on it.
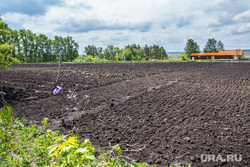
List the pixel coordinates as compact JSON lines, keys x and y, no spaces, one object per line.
{"x":168,"y":23}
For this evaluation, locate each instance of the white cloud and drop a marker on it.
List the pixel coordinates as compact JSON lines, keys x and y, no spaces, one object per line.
{"x":120,"y":22}
{"x":244,"y":28}
{"x":242,"y":16}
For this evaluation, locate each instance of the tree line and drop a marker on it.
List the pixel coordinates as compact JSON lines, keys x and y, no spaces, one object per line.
{"x":211,"y":46}
{"x":6,"y":58}
{"x":31,"y":48}
{"x":128,"y":53}
{"x":28,"y":47}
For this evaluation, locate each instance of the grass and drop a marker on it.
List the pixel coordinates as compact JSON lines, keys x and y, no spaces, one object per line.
{"x":148,"y":61}
{"x":23,"y":145}
{"x":173,"y":57}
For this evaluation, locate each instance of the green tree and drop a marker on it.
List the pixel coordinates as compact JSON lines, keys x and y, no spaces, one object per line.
{"x":106,"y":54}
{"x":118,"y":57}
{"x":146,"y":51}
{"x":111,"y":50}
{"x":89,"y":57}
{"x":128,"y":54}
{"x":75,"y":50}
{"x":210,"y":46}
{"x":6,"y":49}
{"x":137,"y":53}
{"x":164,"y":54}
{"x":72,"y":48}
{"x":31,"y":46}
{"x":24,"y":44}
{"x":158,"y":52}
{"x":48,"y":50}
{"x":91,"y":50}
{"x":56,"y":47}
{"x":100,"y":52}
{"x":220,"y":46}
{"x":191,"y":47}
{"x":15,"y":40}
{"x":42,"y":46}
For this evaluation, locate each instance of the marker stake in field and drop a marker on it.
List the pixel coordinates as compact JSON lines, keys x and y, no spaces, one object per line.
{"x":56,"y":90}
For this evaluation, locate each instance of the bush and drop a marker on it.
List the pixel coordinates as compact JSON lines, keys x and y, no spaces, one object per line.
{"x":21,"y":145}
{"x":96,"y":58}
{"x":79,"y":59}
{"x":184,"y":58}
{"x":118,"y":57}
{"x":6,"y":57}
{"x":89,"y":58}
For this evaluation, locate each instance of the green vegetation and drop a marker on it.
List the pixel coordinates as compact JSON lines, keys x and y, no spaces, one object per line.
{"x":6,"y":49}
{"x":240,"y":57}
{"x":90,"y":58}
{"x":31,"y":48}
{"x":191,"y":47}
{"x":26,"y":46}
{"x":184,"y":58}
{"x":220,"y":46}
{"x":211,"y":46}
{"x":23,"y":145}
{"x":129,"y":53}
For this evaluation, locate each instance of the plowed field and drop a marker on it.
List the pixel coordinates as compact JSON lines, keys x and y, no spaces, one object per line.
{"x":160,"y":113}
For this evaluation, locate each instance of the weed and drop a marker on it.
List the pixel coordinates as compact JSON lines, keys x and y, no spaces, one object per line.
{"x":45,"y":123}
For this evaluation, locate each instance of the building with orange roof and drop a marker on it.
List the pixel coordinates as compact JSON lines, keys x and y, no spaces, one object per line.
{"x":230,"y":54}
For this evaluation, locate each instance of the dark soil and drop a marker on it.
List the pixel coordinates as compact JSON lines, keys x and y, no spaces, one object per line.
{"x":165,"y":113}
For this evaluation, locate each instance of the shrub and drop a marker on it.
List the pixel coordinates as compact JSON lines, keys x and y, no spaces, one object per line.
{"x":96,"y":58}
{"x":89,"y":57}
{"x":184,"y":58}
{"x":118,"y":57}
{"x":79,"y":58}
